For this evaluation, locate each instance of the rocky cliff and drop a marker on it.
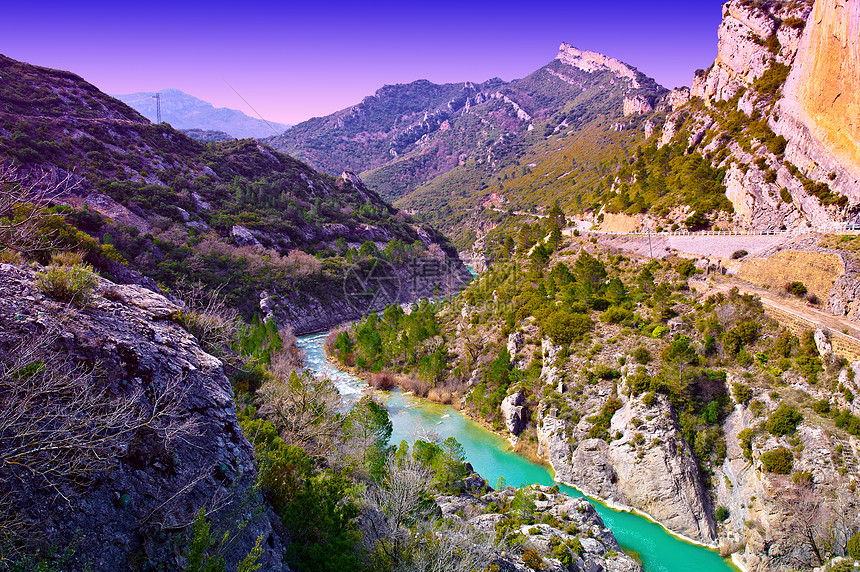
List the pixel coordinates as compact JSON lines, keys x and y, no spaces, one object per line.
{"x":794,"y":66}
{"x":175,"y":446}
{"x":647,"y":466}
{"x":778,"y":522}
{"x":819,"y":112}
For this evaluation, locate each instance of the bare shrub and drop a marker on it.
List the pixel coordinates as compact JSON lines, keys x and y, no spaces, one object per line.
{"x":383,"y":381}
{"x":58,"y":423}
{"x":306,"y":411}
{"x":207,"y":317}
{"x":439,"y":395}
{"x":22,"y":213}
{"x":289,"y":358}
{"x":418,"y":387}
{"x":295,"y":264}
{"x":398,"y":528}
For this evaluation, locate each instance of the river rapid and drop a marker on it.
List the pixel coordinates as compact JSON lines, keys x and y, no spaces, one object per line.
{"x":491,"y":456}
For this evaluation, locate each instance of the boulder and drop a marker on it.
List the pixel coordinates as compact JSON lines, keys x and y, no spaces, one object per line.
{"x":515,"y":414}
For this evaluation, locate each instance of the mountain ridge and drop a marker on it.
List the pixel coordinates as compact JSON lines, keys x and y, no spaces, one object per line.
{"x":184,"y":111}
{"x":404,"y":135}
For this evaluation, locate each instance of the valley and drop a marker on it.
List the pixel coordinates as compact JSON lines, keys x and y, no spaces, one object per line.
{"x":575,"y":322}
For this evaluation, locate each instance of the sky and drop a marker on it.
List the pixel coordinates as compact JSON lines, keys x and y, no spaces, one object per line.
{"x":291,"y":62}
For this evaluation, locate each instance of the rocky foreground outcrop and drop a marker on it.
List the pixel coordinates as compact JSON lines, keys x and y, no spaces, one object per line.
{"x":133,"y":511}
{"x":558,"y":519}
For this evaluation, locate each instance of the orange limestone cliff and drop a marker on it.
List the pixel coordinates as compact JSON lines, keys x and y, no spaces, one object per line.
{"x":822,"y":92}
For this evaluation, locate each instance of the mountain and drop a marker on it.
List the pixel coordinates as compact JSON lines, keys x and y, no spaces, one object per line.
{"x":184,"y":111}
{"x":764,"y":139}
{"x":404,"y":135}
{"x":235,"y":215}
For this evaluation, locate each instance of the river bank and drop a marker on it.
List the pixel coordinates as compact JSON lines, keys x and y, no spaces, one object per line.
{"x":491,"y":456}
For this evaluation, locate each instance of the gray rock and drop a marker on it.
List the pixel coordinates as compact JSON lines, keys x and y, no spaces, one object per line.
{"x":151,"y":486}
{"x":243,"y":236}
{"x":822,"y":342}
{"x":514,"y":413}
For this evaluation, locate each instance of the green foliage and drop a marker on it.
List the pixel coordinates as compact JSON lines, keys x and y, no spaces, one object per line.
{"x":854,"y":546}
{"x":745,"y":438}
{"x":783,"y":421}
{"x":642,"y":355}
{"x":204,"y":550}
{"x":659,"y":179}
{"x":616,"y":315}
{"x":772,"y":79}
{"x":369,"y":424}
{"x":282,"y":468}
{"x":848,"y":421}
{"x":721,"y":514}
{"x":739,"y":336}
{"x":73,"y":284}
{"x":742,"y":392}
{"x":564,"y":328}
{"x":600,"y":422}
{"x":686,"y":268}
{"x":259,"y":341}
{"x":397,"y":340}
{"x":201,"y":545}
{"x":777,"y":461}
{"x":447,"y":463}
{"x":796,"y":288}
{"x":322,"y":527}
{"x":532,"y":559}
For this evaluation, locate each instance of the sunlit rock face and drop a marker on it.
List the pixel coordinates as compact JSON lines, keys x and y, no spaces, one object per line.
{"x":819,"y":113}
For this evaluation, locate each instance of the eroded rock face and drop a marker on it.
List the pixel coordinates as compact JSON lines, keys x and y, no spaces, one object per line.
{"x":820,"y":110}
{"x":650,"y":467}
{"x":759,"y":203}
{"x":638,"y":104}
{"x":154,"y":485}
{"x":514,"y":413}
{"x":656,"y":470}
{"x":741,"y":54}
{"x":678,"y":97}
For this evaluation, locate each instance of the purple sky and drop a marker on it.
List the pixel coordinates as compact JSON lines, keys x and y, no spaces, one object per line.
{"x":295,"y":62}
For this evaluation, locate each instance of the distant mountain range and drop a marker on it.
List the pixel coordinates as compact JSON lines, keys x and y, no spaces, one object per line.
{"x":184,"y":111}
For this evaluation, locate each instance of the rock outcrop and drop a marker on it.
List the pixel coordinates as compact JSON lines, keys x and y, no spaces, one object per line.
{"x":593,"y":61}
{"x":638,"y":105}
{"x":657,"y":471}
{"x":155,"y":485}
{"x":514,"y":413}
{"x":577,"y":520}
{"x":647,"y":465}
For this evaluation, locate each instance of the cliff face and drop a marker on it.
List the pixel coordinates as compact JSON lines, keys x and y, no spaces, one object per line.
{"x":820,"y":110}
{"x":150,"y":486}
{"x":792,"y":69}
{"x":649,"y":467}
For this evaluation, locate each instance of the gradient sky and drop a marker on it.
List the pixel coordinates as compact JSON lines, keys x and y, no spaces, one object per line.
{"x":292,"y":62}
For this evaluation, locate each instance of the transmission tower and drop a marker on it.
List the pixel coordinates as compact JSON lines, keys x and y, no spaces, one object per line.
{"x":157,"y":98}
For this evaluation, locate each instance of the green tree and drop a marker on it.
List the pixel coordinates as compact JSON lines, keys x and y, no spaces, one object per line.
{"x":783,"y":421}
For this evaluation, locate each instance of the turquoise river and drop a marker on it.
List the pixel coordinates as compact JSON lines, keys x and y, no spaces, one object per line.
{"x":492,"y":458}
